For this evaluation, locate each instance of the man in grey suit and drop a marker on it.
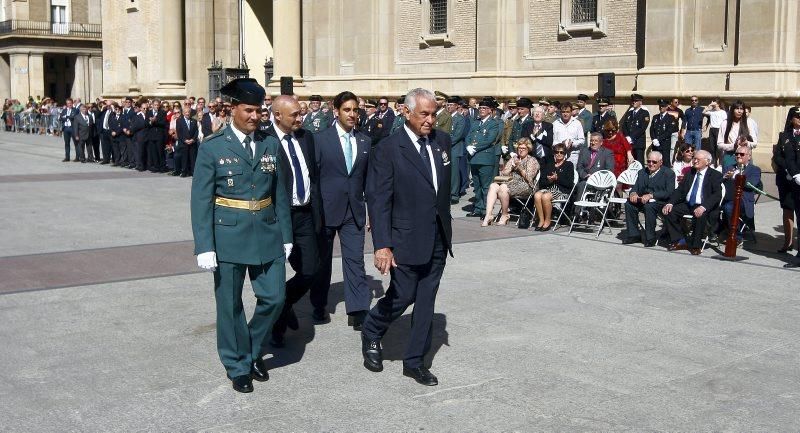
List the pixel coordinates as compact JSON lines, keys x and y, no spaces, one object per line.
{"x":654,"y":186}
{"x":83,"y":134}
{"x":591,"y":160}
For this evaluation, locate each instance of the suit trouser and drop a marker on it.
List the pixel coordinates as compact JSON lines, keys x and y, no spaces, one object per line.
{"x":140,"y":154}
{"x":651,"y":211}
{"x":126,"y":149}
{"x":95,"y":141}
{"x":116,"y":149}
{"x":482,"y":177}
{"x":67,"y":132}
{"x":417,"y":284}
{"x":713,"y":135}
{"x":304,"y":261}
{"x":455,"y":176}
{"x":638,"y":154}
{"x":463,"y":169}
{"x":698,"y":233}
{"x":80,"y":149}
{"x":357,"y":296}
{"x":178,"y":158}
{"x":154,"y":148}
{"x":239,"y":342}
{"x":105,"y":143}
{"x":189,"y":156}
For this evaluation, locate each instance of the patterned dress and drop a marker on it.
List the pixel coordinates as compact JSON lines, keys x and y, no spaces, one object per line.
{"x":517,"y":186}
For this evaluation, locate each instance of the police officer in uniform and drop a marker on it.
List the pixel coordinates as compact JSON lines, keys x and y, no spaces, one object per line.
{"x":483,"y":153}
{"x":316,"y":120}
{"x":634,"y":125}
{"x":790,"y":140}
{"x":603,"y":115}
{"x":444,"y":121}
{"x":458,"y":133}
{"x":241,"y":225}
{"x":661,"y":129}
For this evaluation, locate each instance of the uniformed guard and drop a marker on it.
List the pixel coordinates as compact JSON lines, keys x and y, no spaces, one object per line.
{"x":523,"y":119}
{"x":458,"y":133}
{"x":483,"y":153}
{"x":604,"y":113}
{"x":316,"y":120}
{"x":584,"y":114}
{"x":241,"y":224}
{"x":661,"y":130}
{"x":444,"y":121}
{"x":399,"y":117}
{"x":634,"y":125}
{"x":550,"y":114}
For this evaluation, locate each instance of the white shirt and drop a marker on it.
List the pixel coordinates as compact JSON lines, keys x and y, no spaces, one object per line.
{"x":414,"y":139}
{"x":573,"y":130}
{"x":698,"y":198}
{"x":728,"y":147}
{"x":296,"y":201}
{"x":341,"y":132}
{"x":241,"y":135}
{"x":716,"y":118}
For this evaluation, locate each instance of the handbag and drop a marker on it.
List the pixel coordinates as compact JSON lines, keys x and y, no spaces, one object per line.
{"x":502,"y":179}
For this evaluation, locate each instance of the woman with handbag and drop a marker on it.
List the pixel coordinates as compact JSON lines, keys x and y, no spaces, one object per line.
{"x":515,"y":180}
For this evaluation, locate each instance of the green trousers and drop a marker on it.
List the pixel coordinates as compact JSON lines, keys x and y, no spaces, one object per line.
{"x":239,"y":343}
{"x":482,"y":177}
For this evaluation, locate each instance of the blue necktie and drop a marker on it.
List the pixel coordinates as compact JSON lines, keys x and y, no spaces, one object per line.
{"x":695,"y":187}
{"x":348,"y":152}
{"x":423,"y":152}
{"x":298,"y":171}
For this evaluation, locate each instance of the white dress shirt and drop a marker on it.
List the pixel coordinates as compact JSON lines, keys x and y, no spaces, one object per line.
{"x":698,"y":198}
{"x":729,"y":147}
{"x":414,"y":139}
{"x":241,"y":135}
{"x":296,"y":200}
{"x":572,"y":130}
{"x":341,"y":132}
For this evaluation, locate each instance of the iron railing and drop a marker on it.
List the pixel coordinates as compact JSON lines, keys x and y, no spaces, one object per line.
{"x":44,"y":28}
{"x":583,"y":11}
{"x":438,"y":16}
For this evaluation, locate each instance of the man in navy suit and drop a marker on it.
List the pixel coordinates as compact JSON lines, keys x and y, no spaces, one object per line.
{"x":138,"y":124}
{"x":342,"y":157}
{"x":698,"y":194}
{"x":67,"y":118}
{"x":408,"y":194}
{"x":752,"y":174}
{"x":302,"y":188}
{"x":126,"y":146}
{"x":186,"y":145}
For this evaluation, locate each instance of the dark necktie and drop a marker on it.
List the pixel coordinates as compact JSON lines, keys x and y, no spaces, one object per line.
{"x":247,"y":147}
{"x":298,"y":171}
{"x":423,"y":153}
{"x":695,"y":187}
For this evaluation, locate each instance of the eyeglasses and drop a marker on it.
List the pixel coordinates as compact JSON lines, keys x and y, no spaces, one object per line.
{"x":740,"y":153}
{"x":650,"y":161}
{"x":559,"y":152}
{"x":688,"y":151}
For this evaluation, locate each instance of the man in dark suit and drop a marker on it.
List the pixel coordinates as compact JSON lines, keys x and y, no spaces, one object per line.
{"x":342,"y":158}
{"x":97,"y":126}
{"x":186,"y":145}
{"x":661,"y":129}
{"x":302,"y":188}
{"x":105,"y":133}
{"x":138,"y":124}
{"x":541,"y":134}
{"x":115,"y":134}
{"x":591,"y":160}
{"x":654,"y":186}
{"x":604,"y":114}
{"x":157,"y":124}
{"x":634,"y":125}
{"x":699,"y":194}
{"x":126,"y":146}
{"x":408,"y":191}
{"x":67,"y":118}
{"x":83,"y":134}
{"x":752,"y":174}
{"x":385,"y":119}
{"x":208,"y":119}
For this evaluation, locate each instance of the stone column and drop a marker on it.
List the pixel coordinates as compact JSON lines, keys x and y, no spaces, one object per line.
{"x":95,"y":77}
{"x":172,"y":80}
{"x":80,"y":85}
{"x":36,"y":74}
{"x":5,"y":77}
{"x":286,"y":39}
{"x":20,"y":84}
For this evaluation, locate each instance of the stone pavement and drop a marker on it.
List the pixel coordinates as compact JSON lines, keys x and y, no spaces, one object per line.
{"x":107,"y":326}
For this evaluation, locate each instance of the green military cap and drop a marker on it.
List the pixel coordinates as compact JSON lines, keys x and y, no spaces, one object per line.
{"x":244,"y":91}
{"x":488,"y":101}
{"x":440,"y":96}
{"x":544,"y":101}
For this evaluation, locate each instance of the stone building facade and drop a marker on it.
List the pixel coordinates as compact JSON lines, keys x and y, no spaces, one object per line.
{"x":50,"y":48}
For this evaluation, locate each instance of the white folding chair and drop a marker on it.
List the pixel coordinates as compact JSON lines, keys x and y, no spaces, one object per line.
{"x":599,"y":187}
{"x":635,"y":165}
{"x":627,"y":177}
{"x":563,"y":204}
{"x":691,"y":217}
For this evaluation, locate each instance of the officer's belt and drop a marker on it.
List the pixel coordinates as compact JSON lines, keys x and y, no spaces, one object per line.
{"x":253,"y":205}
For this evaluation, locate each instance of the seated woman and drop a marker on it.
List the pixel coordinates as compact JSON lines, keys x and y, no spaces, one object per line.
{"x":614,"y":140}
{"x":523,"y":169}
{"x":555,"y":184}
{"x":683,"y":161}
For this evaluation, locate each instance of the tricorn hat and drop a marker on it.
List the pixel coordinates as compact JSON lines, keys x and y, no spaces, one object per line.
{"x":244,"y":91}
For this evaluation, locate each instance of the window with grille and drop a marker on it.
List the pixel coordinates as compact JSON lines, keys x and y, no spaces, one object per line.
{"x":583,"y":11}
{"x":438,"y":17}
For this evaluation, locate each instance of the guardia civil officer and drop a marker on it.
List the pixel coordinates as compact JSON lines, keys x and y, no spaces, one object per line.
{"x":241,"y":225}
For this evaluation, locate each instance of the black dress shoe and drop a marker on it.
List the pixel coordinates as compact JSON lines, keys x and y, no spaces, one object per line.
{"x":373,"y":357}
{"x":183,"y":174}
{"x":649,"y":244}
{"x":320,"y":315}
{"x":474,"y":214}
{"x":291,"y":320}
{"x":786,"y":249}
{"x":65,"y":160}
{"x":258,"y":371}
{"x":628,"y":241}
{"x":422,"y":375}
{"x":792,"y":265}
{"x":242,"y":384}
{"x":104,"y":163}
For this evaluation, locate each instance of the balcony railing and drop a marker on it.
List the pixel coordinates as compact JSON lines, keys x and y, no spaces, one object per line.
{"x":44,"y":28}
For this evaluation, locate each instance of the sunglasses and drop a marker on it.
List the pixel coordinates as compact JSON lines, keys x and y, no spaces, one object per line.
{"x":559,"y":152}
{"x":688,"y":151}
{"x":650,"y":161}
{"x":383,"y":103}
{"x":740,"y":154}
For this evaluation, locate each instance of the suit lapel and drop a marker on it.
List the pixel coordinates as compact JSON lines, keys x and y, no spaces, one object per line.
{"x":409,"y":151}
{"x":360,"y":152}
{"x":436,"y":149}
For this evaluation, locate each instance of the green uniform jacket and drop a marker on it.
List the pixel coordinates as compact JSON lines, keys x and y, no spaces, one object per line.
{"x":457,"y":134}
{"x":444,"y":121}
{"x":516,"y":132}
{"x":223,"y":169}
{"x":484,"y":137}
{"x":316,"y":122}
{"x":399,"y":121}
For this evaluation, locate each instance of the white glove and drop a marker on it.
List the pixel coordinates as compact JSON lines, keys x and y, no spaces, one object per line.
{"x":656,"y":143}
{"x":513,"y":154}
{"x":471,"y":150}
{"x":504,"y":149}
{"x":629,"y":140}
{"x":287,"y":249}
{"x":797,"y":179}
{"x":207,"y":261}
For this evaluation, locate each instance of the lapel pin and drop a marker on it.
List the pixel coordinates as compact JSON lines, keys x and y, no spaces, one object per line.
{"x":221,"y":161}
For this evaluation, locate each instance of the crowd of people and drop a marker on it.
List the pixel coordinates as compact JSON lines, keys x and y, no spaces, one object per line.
{"x":541,"y":151}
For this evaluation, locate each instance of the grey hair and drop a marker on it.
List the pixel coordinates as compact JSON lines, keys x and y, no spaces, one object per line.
{"x":656,"y":154}
{"x":414,"y":94}
{"x":596,"y":134}
{"x":703,"y":154}
{"x":538,"y":108}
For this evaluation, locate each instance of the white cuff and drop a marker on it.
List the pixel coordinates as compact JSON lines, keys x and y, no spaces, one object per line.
{"x":207,"y":261}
